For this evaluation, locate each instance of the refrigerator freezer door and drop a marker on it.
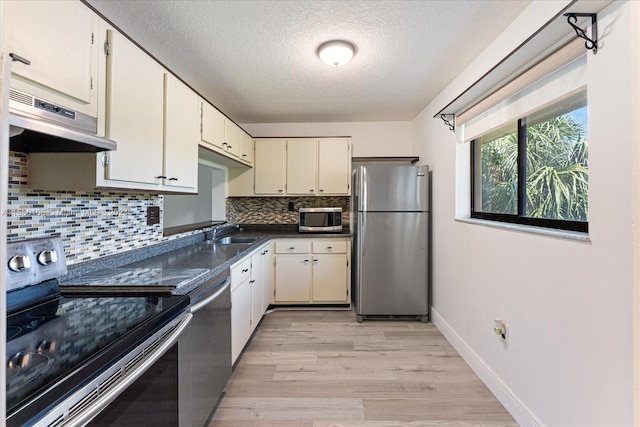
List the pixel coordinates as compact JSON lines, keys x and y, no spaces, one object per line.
{"x":384,"y":188}
{"x":391,"y":270}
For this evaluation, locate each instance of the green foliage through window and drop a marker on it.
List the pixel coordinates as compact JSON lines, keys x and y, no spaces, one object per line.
{"x":543,"y":161}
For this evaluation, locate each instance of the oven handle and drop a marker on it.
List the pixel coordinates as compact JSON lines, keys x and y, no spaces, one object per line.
{"x":96,"y":407}
{"x":197,"y":306}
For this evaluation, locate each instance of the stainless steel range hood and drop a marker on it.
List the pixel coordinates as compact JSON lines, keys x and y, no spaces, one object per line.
{"x":39,"y":126}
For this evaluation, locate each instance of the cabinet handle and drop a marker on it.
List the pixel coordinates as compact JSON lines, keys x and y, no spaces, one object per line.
{"x":279,"y":191}
{"x":173,"y":179}
{"x":292,"y":248}
{"x":315,"y":260}
{"x":19,"y":59}
{"x":252,"y":281}
{"x":329,"y":247}
{"x":310,"y":191}
{"x":321,"y":190}
{"x":224,"y":144}
{"x":244,"y":270}
{"x":306,"y":260}
{"x":161,"y":177}
{"x":244,"y":155}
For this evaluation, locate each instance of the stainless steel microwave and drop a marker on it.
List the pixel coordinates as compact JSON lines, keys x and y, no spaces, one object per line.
{"x":320,"y":220}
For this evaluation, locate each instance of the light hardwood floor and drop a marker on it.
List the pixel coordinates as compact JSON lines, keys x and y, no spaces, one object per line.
{"x":323,"y":369}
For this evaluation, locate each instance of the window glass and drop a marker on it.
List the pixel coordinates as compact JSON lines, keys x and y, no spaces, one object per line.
{"x":498,"y":167}
{"x":556,"y":161}
{"x":535,"y":171}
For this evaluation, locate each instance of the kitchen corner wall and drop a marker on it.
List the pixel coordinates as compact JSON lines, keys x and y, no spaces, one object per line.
{"x":274,"y":210}
{"x":91,"y":224}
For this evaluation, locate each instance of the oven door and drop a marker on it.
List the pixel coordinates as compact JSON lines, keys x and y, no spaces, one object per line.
{"x":151,"y":400}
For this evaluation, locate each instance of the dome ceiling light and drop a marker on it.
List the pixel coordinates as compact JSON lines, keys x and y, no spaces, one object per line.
{"x":336,"y":52}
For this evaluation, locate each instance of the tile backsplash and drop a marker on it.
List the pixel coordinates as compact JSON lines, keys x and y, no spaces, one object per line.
{"x":274,"y":210}
{"x":91,"y":223}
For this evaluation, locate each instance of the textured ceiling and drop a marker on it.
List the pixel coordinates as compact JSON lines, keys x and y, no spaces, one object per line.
{"x":256,"y":60}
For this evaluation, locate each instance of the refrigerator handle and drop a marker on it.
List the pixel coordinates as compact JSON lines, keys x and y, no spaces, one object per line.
{"x":363,"y":235}
{"x":363,"y":190}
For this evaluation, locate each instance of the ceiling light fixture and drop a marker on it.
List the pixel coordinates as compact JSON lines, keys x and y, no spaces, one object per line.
{"x":336,"y":52}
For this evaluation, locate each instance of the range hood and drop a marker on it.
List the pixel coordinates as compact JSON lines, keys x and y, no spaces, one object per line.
{"x":39,"y":126}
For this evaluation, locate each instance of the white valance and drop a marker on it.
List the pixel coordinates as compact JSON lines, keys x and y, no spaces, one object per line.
{"x":560,"y":75}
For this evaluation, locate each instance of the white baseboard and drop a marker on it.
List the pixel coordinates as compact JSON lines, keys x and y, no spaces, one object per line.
{"x":518,"y":410}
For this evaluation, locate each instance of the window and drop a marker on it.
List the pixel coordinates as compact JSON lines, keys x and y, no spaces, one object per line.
{"x":534,"y":170}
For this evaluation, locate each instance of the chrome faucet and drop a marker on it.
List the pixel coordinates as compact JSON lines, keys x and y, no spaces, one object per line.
{"x":221,"y":228}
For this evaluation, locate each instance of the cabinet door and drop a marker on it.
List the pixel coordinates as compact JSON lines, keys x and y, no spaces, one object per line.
{"x":256,"y":289}
{"x":181,"y":135}
{"x":240,"y":318}
{"x":302,"y":158}
{"x":213,"y":122}
{"x":329,"y":278}
{"x":247,"y":148}
{"x":334,"y":166}
{"x":293,"y":278}
{"x":270,"y":166}
{"x":267,"y":276}
{"x":60,"y":40}
{"x":232,"y":138}
{"x":135,"y":113}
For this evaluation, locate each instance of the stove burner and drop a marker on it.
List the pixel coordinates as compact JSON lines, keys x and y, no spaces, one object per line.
{"x":23,"y":368}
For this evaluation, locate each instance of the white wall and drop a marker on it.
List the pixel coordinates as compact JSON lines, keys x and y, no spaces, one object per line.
{"x":569,"y":359}
{"x":377,"y":139}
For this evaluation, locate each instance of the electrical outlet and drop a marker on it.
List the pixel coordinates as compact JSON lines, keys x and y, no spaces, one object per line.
{"x":291,"y":208}
{"x":500,"y":327}
{"x":153,"y":215}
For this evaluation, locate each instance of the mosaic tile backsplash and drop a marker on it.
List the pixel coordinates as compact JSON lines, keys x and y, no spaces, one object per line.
{"x":91,"y":224}
{"x":274,"y":210}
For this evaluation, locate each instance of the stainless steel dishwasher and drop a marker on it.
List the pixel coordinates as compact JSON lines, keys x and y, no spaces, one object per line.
{"x":205,"y":351}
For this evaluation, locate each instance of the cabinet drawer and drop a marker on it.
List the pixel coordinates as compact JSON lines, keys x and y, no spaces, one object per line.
{"x":293,"y":247}
{"x":240,"y":272}
{"x":330,"y":247}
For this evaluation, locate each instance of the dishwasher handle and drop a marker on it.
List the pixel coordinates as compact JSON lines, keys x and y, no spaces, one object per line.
{"x":197,"y":306}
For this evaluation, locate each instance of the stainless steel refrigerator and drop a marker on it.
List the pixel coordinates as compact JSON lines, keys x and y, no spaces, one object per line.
{"x":390,"y":214}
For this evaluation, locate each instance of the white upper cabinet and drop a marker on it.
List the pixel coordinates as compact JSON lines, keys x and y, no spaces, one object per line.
{"x":181,"y":135}
{"x":232,"y":138}
{"x":221,"y":135}
{"x":213,"y":126}
{"x":247,"y":148}
{"x":296,"y":166}
{"x":135,"y":113}
{"x":59,"y":38}
{"x":269,"y":169}
{"x":334,"y":166}
{"x":302,"y":164}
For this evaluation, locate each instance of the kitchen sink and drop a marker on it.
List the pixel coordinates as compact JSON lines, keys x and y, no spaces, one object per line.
{"x":236,"y":239}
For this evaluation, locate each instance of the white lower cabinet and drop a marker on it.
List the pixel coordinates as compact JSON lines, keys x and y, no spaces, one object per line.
{"x":256,"y":289}
{"x":251,"y":283}
{"x":240,"y":306}
{"x":267,"y":275}
{"x":312,"y":271}
{"x":293,"y":278}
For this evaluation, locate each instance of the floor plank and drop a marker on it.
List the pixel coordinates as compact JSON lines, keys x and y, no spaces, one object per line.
{"x":323,"y":369}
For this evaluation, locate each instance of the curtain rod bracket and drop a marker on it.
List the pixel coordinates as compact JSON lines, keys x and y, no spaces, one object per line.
{"x":590,"y":43}
{"x":449,"y":122}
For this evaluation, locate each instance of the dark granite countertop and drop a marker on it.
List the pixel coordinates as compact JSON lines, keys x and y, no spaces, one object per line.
{"x":179,"y":267}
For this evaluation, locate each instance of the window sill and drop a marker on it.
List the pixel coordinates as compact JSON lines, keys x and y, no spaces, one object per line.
{"x":562,"y":234}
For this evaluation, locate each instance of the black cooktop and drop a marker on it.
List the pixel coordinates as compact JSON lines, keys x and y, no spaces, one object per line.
{"x":57,"y":345}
